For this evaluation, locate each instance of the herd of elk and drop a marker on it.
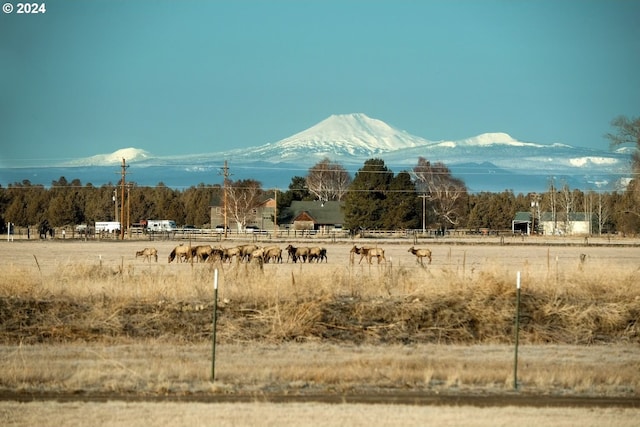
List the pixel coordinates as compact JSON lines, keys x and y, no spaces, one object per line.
{"x":242,"y":253}
{"x":306,"y":254}
{"x":273,"y":254}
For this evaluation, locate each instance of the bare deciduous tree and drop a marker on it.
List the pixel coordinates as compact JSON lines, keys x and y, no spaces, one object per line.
{"x":328,"y":180}
{"x":435,"y":182}
{"x":243,"y":197}
{"x":603,"y":213}
{"x":567,"y":202}
{"x":628,"y":132}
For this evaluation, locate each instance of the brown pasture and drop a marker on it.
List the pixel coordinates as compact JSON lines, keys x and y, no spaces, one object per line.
{"x":144,"y":326}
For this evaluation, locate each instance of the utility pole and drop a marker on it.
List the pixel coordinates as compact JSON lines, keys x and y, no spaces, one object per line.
{"x":535,"y":208}
{"x":122,"y":184}
{"x":424,"y":209}
{"x":129,"y":210}
{"x":225,"y":174}
{"x":275,"y":213}
{"x":115,"y":204}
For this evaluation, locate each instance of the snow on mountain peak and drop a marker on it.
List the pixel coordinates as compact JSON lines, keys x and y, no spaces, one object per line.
{"x":354,"y":134}
{"x":129,"y":154}
{"x":496,"y":138}
{"x":353,"y":138}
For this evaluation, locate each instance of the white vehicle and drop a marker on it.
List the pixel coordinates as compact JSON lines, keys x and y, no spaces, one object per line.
{"x":108,"y":226}
{"x":159,"y":225}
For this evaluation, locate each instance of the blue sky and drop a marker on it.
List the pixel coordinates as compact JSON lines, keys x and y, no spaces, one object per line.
{"x":186,"y":77}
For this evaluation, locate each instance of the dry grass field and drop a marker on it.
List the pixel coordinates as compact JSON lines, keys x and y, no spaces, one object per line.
{"x":89,"y":319}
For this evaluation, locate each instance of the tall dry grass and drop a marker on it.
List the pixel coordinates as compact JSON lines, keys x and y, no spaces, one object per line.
{"x":157,"y":367}
{"x":306,"y":302}
{"x":132,"y":327}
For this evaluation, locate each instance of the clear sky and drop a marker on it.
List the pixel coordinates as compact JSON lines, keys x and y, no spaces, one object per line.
{"x":187,"y":77}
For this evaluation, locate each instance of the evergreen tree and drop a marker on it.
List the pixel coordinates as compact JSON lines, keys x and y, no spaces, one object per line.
{"x":401,"y":211}
{"x":197,"y":203}
{"x":479,"y":207}
{"x":365,"y":201}
{"x":66,"y":204}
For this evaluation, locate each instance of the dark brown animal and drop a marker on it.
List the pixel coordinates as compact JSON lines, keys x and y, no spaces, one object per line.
{"x":216,"y":255}
{"x":323,"y":255}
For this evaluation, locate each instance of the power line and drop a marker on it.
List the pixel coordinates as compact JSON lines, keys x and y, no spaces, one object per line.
{"x":225,"y":174}
{"x":123,"y":179}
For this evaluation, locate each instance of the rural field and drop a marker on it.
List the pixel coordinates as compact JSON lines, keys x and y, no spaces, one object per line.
{"x":89,"y":331}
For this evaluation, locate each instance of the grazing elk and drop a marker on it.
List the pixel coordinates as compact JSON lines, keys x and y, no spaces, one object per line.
{"x":147,"y":253}
{"x":180,"y":253}
{"x":420,"y":254}
{"x":317,"y":254}
{"x":216,"y":254}
{"x":272,"y":253}
{"x":258,"y":253}
{"x":246,"y":251}
{"x":201,"y":253}
{"x":228,"y":253}
{"x":297,"y":253}
{"x":323,"y":255}
{"x":368,"y":253}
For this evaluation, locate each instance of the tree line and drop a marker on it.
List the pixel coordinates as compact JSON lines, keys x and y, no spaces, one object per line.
{"x":376,"y":198}
{"x":427,"y":196}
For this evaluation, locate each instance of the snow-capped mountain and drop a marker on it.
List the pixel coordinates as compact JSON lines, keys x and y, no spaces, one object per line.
{"x":347,"y":137}
{"x":486,"y":162}
{"x":129,"y":154}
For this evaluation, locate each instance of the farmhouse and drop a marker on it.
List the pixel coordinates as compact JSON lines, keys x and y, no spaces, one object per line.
{"x":572,"y":224}
{"x":577,"y":223}
{"x":262,"y":216}
{"x":314,"y":215}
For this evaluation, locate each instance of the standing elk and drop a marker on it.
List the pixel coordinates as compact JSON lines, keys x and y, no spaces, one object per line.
{"x":323,"y":255}
{"x":180,"y":253}
{"x":229,"y":253}
{"x":368,"y":253}
{"x":216,"y":254}
{"x":297,"y":253}
{"x":246,"y":251}
{"x":201,"y":253}
{"x":420,"y":254}
{"x":317,"y":254}
{"x":147,"y":253}
{"x":257,"y":254}
{"x":272,"y":253}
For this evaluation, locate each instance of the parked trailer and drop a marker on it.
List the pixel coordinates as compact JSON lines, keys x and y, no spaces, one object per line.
{"x":108,"y":226}
{"x":160,"y":225}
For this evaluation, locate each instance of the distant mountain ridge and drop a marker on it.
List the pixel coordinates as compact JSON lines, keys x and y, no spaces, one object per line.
{"x":129,"y":154}
{"x":350,"y":139}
